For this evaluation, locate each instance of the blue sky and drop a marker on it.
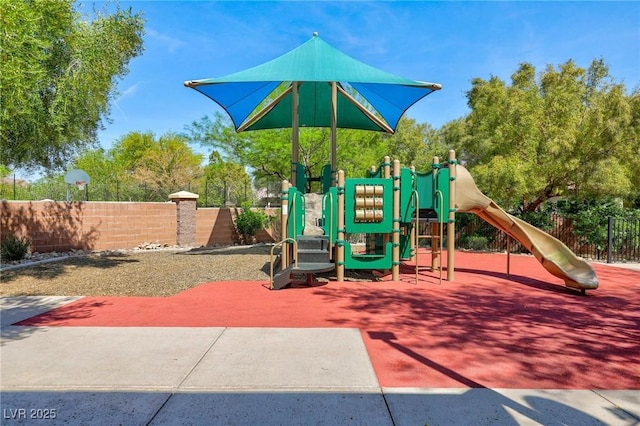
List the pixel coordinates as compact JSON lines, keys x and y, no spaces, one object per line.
{"x":443,"y":42}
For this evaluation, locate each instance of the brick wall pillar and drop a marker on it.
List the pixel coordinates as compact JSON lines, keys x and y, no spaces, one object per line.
{"x":186,"y":217}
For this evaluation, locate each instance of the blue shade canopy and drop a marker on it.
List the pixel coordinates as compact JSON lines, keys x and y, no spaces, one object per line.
{"x":261,"y":97}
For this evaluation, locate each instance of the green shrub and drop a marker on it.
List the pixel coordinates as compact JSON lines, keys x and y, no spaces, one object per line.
{"x":249,"y":222}
{"x":590,"y":224}
{"x":14,"y":248}
{"x":541,"y":220}
{"x":476,"y":242}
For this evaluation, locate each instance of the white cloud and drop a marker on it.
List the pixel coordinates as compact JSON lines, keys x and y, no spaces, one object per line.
{"x":129,"y":91}
{"x":171,"y":43}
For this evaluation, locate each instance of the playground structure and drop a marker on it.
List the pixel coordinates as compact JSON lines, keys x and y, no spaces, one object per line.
{"x":392,"y":207}
{"x":316,"y":85}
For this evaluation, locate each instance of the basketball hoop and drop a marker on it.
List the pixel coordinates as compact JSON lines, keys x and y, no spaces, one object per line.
{"x":76,"y":177}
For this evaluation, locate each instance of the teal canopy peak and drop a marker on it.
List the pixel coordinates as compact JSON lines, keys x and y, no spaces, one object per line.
{"x":261,"y":97}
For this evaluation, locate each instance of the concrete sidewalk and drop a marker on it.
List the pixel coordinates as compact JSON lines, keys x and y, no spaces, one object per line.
{"x":218,"y":375}
{"x":630,"y":266}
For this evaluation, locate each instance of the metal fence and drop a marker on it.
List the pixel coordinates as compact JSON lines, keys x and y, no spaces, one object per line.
{"x":211,"y":194}
{"x":623,"y":240}
{"x":622,"y":243}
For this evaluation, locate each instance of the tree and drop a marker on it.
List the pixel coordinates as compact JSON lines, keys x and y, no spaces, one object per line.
{"x":109,"y":179}
{"x":268,"y":152}
{"x":112,"y":171}
{"x":415,"y":144}
{"x":226,"y":181}
{"x":98,"y":162}
{"x":167,"y":166}
{"x":58,"y":77}
{"x":139,"y":166}
{"x":568,"y":132}
{"x":632,"y":160}
{"x":129,"y":150}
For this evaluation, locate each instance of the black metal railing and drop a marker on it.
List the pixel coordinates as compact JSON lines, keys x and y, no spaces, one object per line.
{"x":623,"y":239}
{"x":211,"y":194}
{"x":622,"y":243}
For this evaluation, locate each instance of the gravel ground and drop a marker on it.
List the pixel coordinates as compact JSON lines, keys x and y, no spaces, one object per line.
{"x":146,"y":273}
{"x":138,"y":273}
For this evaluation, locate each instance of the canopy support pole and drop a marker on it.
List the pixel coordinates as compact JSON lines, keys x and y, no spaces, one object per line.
{"x":334,"y":125}
{"x":295,"y":119}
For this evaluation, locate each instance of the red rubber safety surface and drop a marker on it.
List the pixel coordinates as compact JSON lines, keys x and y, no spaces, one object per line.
{"x":482,"y":330}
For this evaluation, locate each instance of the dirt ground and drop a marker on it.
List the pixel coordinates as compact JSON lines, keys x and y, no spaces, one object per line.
{"x":145,"y":273}
{"x":138,"y":273}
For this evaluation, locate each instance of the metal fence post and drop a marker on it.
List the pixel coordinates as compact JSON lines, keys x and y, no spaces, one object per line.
{"x":609,"y":239}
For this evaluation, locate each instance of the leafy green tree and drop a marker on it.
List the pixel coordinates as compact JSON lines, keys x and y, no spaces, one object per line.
{"x":141,"y":167}
{"x":98,"y":163}
{"x":226,"y":182}
{"x":632,"y":160}
{"x":129,"y":151}
{"x":455,"y":135}
{"x":51,"y":187}
{"x":570,"y":131}
{"x":268,"y":152}
{"x":415,"y":144}
{"x":109,"y":180}
{"x":167,"y":166}
{"x":59,"y":71}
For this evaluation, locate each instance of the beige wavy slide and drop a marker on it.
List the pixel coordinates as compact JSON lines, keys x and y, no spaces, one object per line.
{"x":552,"y":253}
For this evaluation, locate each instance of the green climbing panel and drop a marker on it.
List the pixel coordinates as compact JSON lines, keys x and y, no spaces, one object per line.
{"x":428,"y":188}
{"x":296,"y":218}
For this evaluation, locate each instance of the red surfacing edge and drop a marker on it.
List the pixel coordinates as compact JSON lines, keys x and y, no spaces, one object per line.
{"x":482,"y":330}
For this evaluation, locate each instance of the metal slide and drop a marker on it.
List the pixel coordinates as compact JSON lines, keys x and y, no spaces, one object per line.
{"x":552,"y":253}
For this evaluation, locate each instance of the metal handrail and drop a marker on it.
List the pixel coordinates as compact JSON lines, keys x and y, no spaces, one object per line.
{"x":295,"y":256}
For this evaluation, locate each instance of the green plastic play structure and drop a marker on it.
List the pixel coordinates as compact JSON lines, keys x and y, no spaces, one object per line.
{"x":369,"y":210}
{"x":317,"y":85}
{"x":395,"y":208}
{"x":387,"y":207}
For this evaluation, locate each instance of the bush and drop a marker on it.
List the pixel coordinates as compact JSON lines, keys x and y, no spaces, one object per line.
{"x":476,"y":242}
{"x":541,"y":220}
{"x":249,"y":222}
{"x":590,"y":225}
{"x":14,"y":248}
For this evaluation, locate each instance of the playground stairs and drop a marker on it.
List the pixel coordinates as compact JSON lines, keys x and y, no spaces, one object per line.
{"x":313,"y":257}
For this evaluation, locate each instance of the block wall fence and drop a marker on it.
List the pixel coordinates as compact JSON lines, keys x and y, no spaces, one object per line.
{"x":63,"y":226}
